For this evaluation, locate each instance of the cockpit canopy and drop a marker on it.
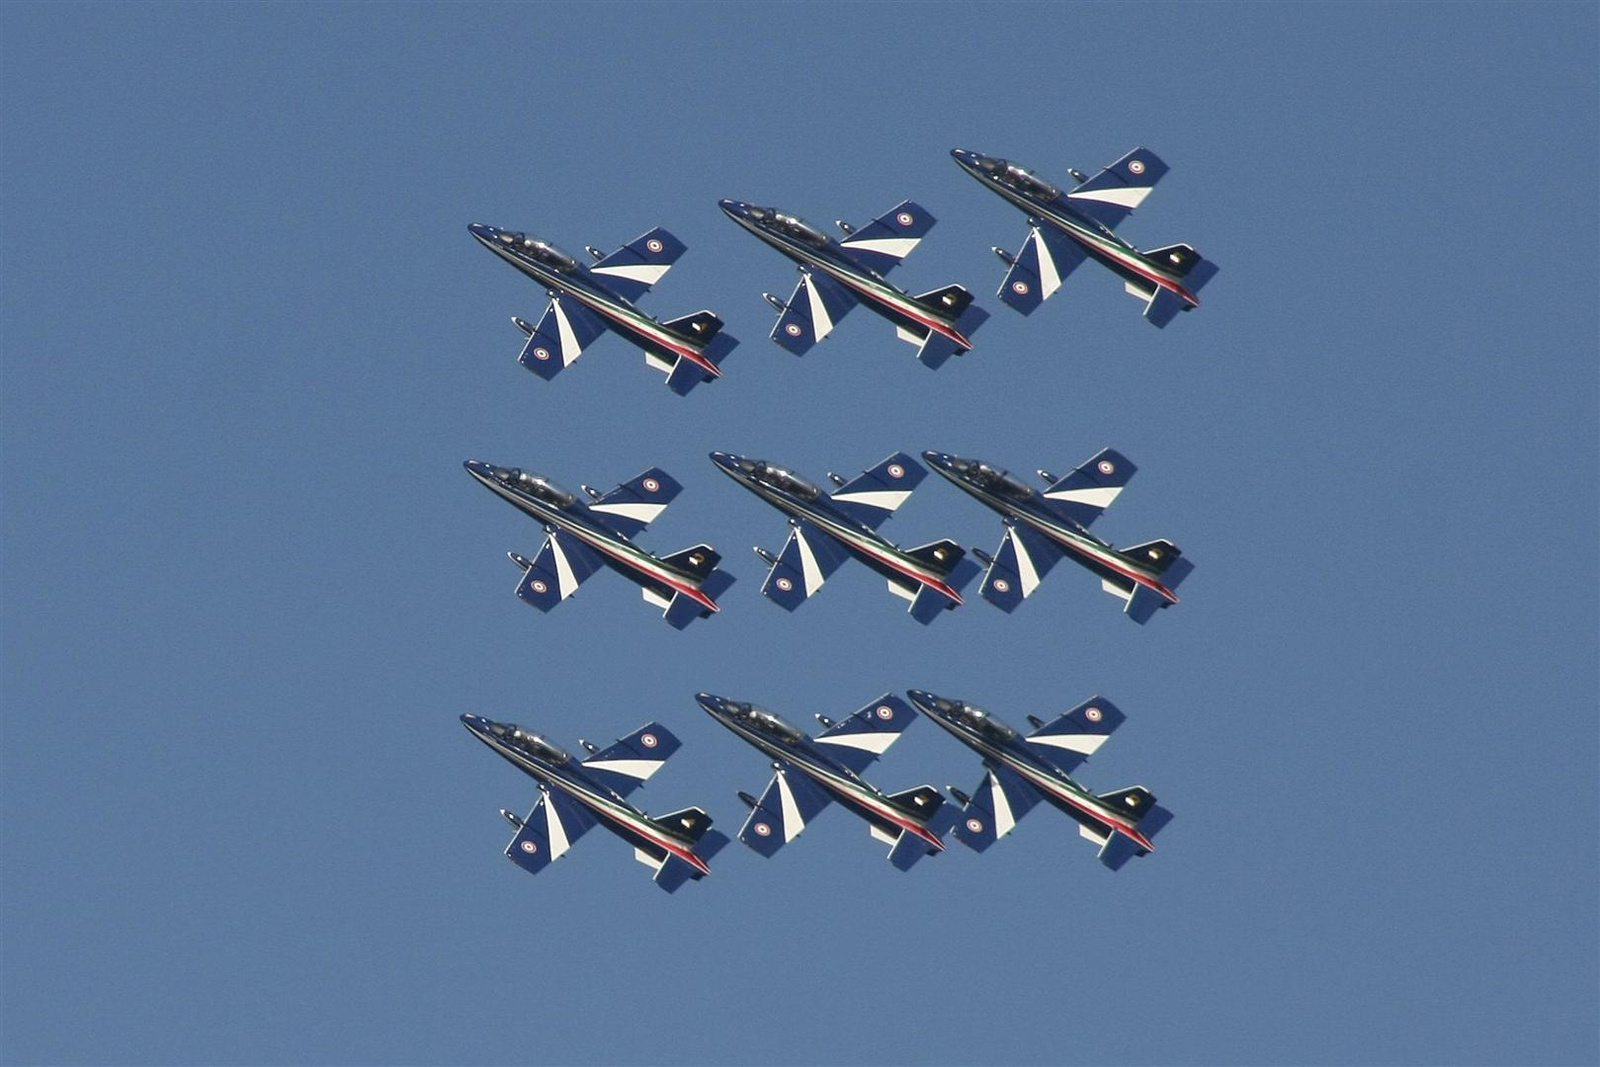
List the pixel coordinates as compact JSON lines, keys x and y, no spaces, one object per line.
{"x":537,"y":486}
{"x":991,"y":478}
{"x":543,"y":251}
{"x":780,"y":479}
{"x":531,"y":743}
{"x":799,"y":229}
{"x":766,"y":720}
{"x":1018,"y":178}
{"x":985,"y":724}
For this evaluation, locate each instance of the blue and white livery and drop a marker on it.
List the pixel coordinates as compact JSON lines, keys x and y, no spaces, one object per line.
{"x":827,"y":529}
{"x":810,"y":773}
{"x":576,"y":795}
{"x":1020,"y":771}
{"x":581,"y":536}
{"x":1067,"y":227}
{"x":836,"y":275}
{"x":586,"y":300}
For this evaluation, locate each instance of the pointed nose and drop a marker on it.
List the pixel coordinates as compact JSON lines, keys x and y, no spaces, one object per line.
{"x":726,"y":460}
{"x":710,"y":702}
{"x":479,"y":469}
{"x":940,"y":460}
{"x":734,"y":209}
{"x":481,"y":232}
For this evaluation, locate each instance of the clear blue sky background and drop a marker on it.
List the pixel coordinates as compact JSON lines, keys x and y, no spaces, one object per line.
{"x":248,"y":588}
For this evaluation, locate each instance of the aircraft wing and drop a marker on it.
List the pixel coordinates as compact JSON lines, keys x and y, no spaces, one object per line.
{"x":875,"y":494}
{"x":814,"y":309}
{"x":548,"y":831}
{"x":635,"y":504}
{"x":886,"y":240}
{"x":555,"y":574}
{"x":807,"y":560}
{"x":1047,"y":257}
{"x":791,"y":800}
{"x":1020,"y":564}
{"x":1091,"y":487}
{"x":997,"y":805}
{"x":1110,"y":196}
{"x":566,"y":329}
{"x":863,"y":737}
{"x":1074,"y":736}
{"x":628,"y":763}
{"x":631,"y":270}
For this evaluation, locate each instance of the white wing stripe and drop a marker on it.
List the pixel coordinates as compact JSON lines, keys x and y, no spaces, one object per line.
{"x":1049,"y":276}
{"x":821,"y":324}
{"x":570,"y":349}
{"x":646,"y":273}
{"x":1098,"y":496}
{"x":1003,"y":819}
{"x":792,"y":823}
{"x":565,"y":579}
{"x":641,"y":512}
{"x":810,"y":573}
{"x":1086,"y":744}
{"x":1129,"y":198}
{"x":641,"y":769}
{"x":887,"y":499}
{"x":1025,"y":568}
{"x":898,"y":247}
{"x":874,"y":742}
{"x":558,"y":833}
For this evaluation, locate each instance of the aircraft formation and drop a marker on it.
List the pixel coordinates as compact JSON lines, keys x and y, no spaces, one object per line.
{"x":832,"y":524}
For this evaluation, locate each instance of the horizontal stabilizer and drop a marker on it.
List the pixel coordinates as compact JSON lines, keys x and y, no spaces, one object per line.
{"x":908,"y":849}
{"x":935,"y":348}
{"x":1143,"y":602}
{"x":675,"y":871}
{"x":1164,"y":307}
{"x":683,"y":374}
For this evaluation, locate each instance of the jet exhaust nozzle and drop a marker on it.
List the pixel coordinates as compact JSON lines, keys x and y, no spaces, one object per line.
{"x":1005,"y":257}
{"x":775,"y":302}
{"x":514,"y":820}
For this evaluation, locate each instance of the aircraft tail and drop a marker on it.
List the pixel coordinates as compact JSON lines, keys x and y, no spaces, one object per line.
{"x":953,"y":302}
{"x":1158,"y":556}
{"x":1117,"y":849}
{"x":938,"y":816}
{"x":1187,"y":264}
{"x":948,"y":560}
{"x":704,"y":329}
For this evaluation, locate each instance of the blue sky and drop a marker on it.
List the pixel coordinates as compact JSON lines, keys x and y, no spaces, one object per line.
{"x":248,"y":588}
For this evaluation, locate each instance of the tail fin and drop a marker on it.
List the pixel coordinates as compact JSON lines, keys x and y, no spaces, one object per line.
{"x":939,"y":556}
{"x":704,"y":329}
{"x":1180,"y":259}
{"x":688,"y":822}
{"x":1157,"y":556}
{"x":698,"y":560}
{"x":1119,"y":848}
{"x":948,"y":302}
{"x":700,"y":327}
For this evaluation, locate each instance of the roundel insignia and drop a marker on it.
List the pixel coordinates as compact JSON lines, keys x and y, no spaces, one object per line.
{"x":650,"y":484}
{"x":1002,"y":586}
{"x":1106,"y":466}
{"x":654,"y":245}
{"x":896,"y":471}
{"x":793,"y":329}
{"x":975,"y":826}
{"x":529,"y":847}
{"x":784,"y":584}
{"x":885,"y":712}
{"x":762,"y":829}
{"x":538,"y":586}
{"x":1136,"y":166}
{"x":904,"y":218}
{"x":1019,"y":287}
{"x":1093,"y":714}
{"x":541,"y":353}
{"x":648,"y":740}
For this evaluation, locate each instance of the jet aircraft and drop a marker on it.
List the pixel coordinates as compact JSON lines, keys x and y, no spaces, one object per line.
{"x":811,"y":772}
{"x":1023,"y":770}
{"x":837,"y":275}
{"x":582,"y":535}
{"x":829,"y":529}
{"x":577,"y":794}
{"x":1042,"y":527}
{"x":1064,"y":228}
{"x":588,"y":299}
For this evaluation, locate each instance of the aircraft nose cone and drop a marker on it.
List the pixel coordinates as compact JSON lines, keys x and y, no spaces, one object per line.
{"x":734,"y":208}
{"x":477,"y":468}
{"x":710,"y":701}
{"x":725,"y":460}
{"x":480,"y":231}
{"x":937,"y":459}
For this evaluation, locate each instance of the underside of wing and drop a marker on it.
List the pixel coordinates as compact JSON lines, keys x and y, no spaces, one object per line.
{"x":631,"y":270}
{"x":808,"y":558}
{"x":876,"y":493}
{"x":564,"y":331}
{"x":815,"y":308}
